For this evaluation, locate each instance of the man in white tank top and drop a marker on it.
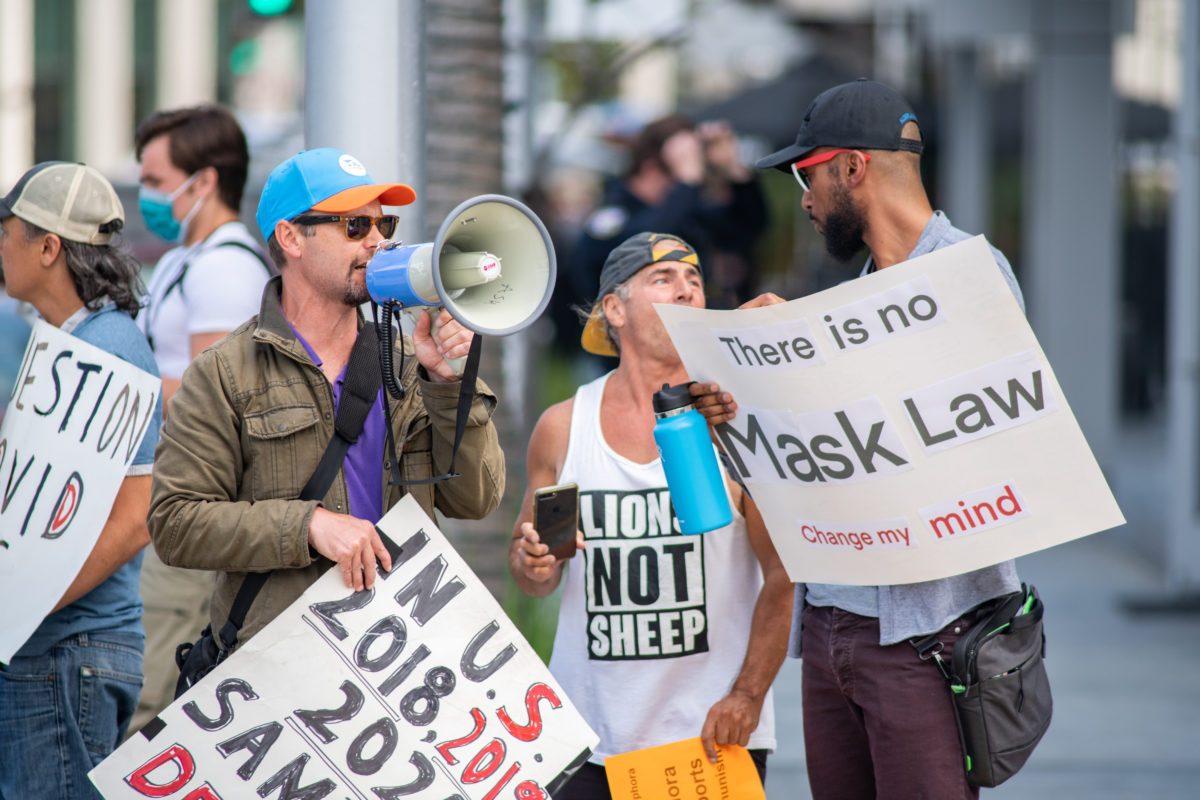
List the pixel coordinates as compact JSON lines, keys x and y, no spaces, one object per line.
{"x":661,"y":636}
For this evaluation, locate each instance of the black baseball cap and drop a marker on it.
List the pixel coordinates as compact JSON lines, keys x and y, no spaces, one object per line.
{"x":861,"y":114}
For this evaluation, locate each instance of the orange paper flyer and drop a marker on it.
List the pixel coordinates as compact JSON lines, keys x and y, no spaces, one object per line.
{"x":682,"y":771}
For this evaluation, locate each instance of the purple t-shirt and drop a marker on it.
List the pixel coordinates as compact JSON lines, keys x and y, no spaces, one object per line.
{"x":364,"y":460}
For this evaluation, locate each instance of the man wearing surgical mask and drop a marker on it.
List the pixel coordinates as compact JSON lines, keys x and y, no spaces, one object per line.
{"x":194,"y":163}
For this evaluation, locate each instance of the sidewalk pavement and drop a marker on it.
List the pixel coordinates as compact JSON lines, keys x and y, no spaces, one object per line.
{"x":1126,"y":685}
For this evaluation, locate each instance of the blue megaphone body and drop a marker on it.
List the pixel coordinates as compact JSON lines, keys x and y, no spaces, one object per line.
{"x":404,"y":273}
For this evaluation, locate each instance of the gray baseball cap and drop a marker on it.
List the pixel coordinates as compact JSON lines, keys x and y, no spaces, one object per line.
{"x":72,"y":200}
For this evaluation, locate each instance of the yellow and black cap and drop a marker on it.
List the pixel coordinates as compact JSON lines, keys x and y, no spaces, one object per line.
{"x":626,"y":260}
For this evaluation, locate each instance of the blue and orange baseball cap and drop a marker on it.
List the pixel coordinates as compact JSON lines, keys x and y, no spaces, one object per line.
{"x":626,"y":260}
{"x":322,"y":179}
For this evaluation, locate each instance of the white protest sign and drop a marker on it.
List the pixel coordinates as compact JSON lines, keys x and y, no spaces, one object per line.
{"x":72,"y":427}
{"x":901,"y":427}
{"x":419,"y":687}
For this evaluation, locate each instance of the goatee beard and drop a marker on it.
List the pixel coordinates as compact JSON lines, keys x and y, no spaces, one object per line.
{"x":355,"y":294}
{"x":844,"y":227}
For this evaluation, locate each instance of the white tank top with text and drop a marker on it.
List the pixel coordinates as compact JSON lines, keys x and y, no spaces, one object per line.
{"x":653,"y":624}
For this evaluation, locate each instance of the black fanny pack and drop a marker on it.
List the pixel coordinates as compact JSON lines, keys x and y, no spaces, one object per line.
{"x":998,"y":683}
{"x":197,"y":659}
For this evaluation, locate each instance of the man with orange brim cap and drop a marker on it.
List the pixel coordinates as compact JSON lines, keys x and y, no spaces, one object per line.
{"x":256,"y":411}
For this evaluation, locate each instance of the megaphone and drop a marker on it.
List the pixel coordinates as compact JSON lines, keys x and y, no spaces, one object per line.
{"x":491,"y":265}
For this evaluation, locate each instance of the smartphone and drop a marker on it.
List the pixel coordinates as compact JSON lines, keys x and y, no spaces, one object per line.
{"x":556,"y":518}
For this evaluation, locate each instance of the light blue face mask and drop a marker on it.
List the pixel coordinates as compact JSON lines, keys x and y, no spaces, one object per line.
{"x":156,"y":211}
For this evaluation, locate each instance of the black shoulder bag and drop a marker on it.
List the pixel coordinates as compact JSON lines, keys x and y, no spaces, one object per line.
{"x":997,"y":679}
{"x":363,"y":379}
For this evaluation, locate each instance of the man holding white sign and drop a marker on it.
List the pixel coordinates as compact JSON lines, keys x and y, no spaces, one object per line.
{"x":885,"y":726}
{"x":67,"y":695}
{"x":419,"y":688}
{"x":255,"y":412}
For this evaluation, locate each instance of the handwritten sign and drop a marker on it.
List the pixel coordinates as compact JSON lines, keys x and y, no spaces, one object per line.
{"x":901,"y":427}
{"x":72,"y":427}
{"x":682,"y":771}
{"x":418,"y":687}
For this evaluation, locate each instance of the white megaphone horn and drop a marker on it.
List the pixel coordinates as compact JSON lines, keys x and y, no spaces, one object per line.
{"x":491,"y":265}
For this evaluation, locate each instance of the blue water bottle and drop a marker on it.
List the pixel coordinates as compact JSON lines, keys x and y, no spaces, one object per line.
{"x":697,"y":488}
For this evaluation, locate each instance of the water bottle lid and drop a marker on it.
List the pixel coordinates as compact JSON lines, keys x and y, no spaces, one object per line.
{"x":670,"y":398}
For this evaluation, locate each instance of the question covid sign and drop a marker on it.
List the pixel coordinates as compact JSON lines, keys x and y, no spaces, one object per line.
{"x":71,"y":429}
{"x":419,"y":687}
{"x":901,"y":427}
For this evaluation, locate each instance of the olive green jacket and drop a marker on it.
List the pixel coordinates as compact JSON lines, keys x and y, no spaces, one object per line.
{"x":245,"y":432}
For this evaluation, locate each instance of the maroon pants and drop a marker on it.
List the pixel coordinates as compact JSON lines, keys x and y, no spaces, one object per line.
{"x":878,"y":721}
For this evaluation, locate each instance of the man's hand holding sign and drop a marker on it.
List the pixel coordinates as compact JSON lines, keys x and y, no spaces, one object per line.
{"x":417,"y":687}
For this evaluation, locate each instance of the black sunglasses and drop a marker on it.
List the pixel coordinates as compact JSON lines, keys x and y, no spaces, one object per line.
{"x":357,"y":227}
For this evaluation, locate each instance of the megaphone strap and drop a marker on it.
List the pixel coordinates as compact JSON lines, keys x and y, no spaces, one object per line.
{"x":466,"y":394}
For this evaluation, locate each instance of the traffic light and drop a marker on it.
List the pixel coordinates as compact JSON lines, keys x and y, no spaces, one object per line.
{"x":269,"y":8}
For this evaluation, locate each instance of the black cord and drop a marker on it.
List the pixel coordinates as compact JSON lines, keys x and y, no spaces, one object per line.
{"x":387,"y":340}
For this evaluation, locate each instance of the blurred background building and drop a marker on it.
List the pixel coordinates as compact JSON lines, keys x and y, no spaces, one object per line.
{"x":1065,"y":130}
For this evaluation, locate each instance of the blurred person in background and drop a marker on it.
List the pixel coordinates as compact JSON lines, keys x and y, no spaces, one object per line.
{"x":685,"y":180}
{"x":67,"y":696}
{"x":194,"y":163}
